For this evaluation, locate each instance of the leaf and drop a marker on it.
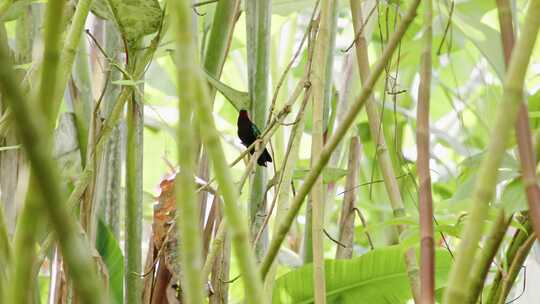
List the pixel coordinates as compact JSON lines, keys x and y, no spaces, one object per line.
{"x":513,"y":197}
{"x":108,"y":248}
{"x":239,"y":99}
{"x":134,"y":18}
{"x":17,"y":9}
{"x":486,"y":39}
{"x":378,"y":276}
{"x":379,"y":225}
{"x":330,"y":175}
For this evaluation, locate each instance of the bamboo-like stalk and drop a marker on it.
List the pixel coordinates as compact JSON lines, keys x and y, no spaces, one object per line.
{"x":384,"y":159}
{"x":487,"y":175}
{"x":515,"y":268}
{"x":134,"y":191}
{"x":527,"y":156}
{"x":495,"y":238}
{"x":214,"y":59}
{"x":319,"y":79}
{"x":346,"y":220}
{"x":427,"y":243}
{"x":50,"y":77}
{"x":333,"y":141}
{"x":190,"y":241}
{"x":111,"y":168}
{"x":503,"y":276}
{"x":22,"y":281}
{"x":210,"y":138}
{"x":37,"y":142}
{"x":220,"y":38}
{"x":491,"y":247}
{"x":220,"y":274}
{"x":5,"y":256}
{"x":71,"y":44}
{"x":258,"y":39}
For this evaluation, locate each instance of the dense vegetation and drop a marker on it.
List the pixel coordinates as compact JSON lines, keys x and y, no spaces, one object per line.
{"x":258,"y":151}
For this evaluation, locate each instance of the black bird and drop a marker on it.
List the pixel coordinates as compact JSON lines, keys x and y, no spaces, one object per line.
{"x":248,"y":133}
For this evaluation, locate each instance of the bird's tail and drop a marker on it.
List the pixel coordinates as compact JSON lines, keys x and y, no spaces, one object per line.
{"x":265,"y":157}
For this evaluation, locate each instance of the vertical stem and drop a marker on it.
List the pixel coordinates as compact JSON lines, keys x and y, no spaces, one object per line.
{"x":258,"y":42}
{"x":112,"y":162}
{"x":216,"y":52}
{"x":503,"y":276}
{"x":51,"y":59}
{"x":487,"y":176}
{"x":319,"y":78}
{"x":134,"y":167}
{"x":383,"y":156}
{"x":210,"y":138}
{"x":22,"y":281}
{"x":5,"y":255}
{"x":523,"y":131}
{"x":190,"y":247}
{"x":220,"y":38}
{"x":220,"y":268}
{"x":490,"y":249}
{"x":71,"y":44}
{"x":346,"y":220}
{"x":427,"y":244}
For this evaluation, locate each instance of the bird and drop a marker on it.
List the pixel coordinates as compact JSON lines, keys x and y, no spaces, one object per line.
{"x":248,"y":133}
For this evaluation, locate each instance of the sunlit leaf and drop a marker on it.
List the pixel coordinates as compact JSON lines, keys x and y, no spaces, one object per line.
{"x":378,"y":276}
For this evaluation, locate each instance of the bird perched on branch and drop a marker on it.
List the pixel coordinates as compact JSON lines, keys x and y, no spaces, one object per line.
{"x":248,"y":133}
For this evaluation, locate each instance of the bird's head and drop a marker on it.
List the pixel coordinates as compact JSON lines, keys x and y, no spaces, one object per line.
{"x":244,"y":114}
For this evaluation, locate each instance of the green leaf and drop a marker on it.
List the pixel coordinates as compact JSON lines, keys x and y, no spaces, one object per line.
{"x":134,"y":18}
{"x":108,"y":248}
{"x":468,"y":21}
{"x":239,"y":99}
{"x":513,"y":197}
{"x":378,"y":276}
{"x":17,"y":8}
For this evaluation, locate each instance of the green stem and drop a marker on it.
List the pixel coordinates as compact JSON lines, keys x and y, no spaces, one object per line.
{"x":321,"y":81}
{"x":515,"y":268}
{"x":220,"y":38}
{"x":134,"y":190}
{"x":517,"y":242}
{"x":51,"y":58}
{"x":487,"y":176}
{"x":190,"y":246}
{"x":258,"y":39}
{"x":332,"y":143}
{"x":490,"y":249}
{"x":5,"y":255}
{"x":211,"y":140}
{"x":346,"y":219}
{"x":69,"y":51}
